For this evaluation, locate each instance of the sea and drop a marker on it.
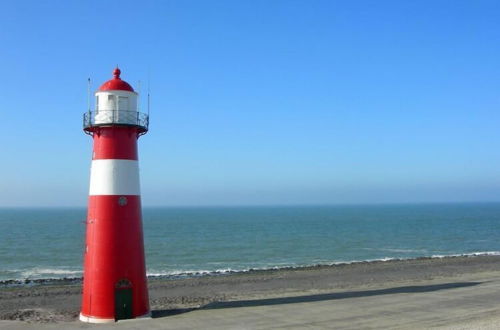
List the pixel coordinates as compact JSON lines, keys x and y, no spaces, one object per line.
{"x":47,"y":243}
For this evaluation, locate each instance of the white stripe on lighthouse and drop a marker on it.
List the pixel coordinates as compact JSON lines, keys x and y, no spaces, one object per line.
{"x":114,"y":177}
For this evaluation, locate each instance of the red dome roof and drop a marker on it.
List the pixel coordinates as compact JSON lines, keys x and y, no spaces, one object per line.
{"x":116,"y":83}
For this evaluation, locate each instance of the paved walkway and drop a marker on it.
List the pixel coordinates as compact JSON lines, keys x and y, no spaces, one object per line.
{"x":467,"y":303}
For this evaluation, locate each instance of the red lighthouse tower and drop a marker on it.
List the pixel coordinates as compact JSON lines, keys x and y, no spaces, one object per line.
{"x":114,"y":280}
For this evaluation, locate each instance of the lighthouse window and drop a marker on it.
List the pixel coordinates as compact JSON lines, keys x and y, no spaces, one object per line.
{"x":97,"y":102}
{"x":112,"y":102}
{"x":122,"y":103}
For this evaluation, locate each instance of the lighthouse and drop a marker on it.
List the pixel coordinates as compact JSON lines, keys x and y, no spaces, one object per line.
{"x":114,"y":278}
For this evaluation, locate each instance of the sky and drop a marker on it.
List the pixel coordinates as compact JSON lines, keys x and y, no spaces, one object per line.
{"x":259,"y":102}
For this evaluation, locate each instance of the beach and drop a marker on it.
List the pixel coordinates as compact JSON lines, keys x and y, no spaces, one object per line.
{"x":451,"y":292}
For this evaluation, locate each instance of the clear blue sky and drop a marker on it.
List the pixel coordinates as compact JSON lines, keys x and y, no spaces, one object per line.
{"x":259,"y":102}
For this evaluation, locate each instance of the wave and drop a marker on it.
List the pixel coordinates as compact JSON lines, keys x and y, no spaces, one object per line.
{"x":36,"y":276}
{"x":471,"y":254}
{"x":39,"y":272}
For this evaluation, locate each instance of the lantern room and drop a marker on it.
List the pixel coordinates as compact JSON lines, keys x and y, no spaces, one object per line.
{"x":116,"y":103}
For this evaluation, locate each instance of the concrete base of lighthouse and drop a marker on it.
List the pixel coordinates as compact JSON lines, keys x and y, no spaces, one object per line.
{"x":90,"y":319}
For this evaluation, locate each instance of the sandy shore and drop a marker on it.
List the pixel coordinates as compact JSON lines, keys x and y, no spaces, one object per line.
{"x":43,"y":305}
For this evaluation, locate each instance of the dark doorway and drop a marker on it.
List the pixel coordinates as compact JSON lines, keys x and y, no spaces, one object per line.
{"x":123,"y":304}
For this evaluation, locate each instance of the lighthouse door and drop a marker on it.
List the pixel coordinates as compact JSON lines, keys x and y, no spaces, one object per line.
{"x":123,"y":304}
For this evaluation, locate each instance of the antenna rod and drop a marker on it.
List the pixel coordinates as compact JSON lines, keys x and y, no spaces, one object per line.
{"x":138,"y":97}
{"x":148,"y":101}
{"x":149,"y":86}
{"x":88,"y":94}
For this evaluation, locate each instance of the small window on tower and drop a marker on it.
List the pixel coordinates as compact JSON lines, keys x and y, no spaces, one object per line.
{"x":97,"y":102}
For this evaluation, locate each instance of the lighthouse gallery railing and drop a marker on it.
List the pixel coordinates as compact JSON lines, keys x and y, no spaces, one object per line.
{"x":120,"y":117}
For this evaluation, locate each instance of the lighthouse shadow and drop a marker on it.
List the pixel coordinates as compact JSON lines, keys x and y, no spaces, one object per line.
{"x":170,"y":312}
{"x":317,"y":297}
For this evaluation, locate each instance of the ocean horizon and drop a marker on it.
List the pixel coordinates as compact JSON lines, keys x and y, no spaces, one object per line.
{"x":47,"y":243}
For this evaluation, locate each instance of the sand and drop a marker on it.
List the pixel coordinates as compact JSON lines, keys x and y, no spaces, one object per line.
{"x":468,"y":286}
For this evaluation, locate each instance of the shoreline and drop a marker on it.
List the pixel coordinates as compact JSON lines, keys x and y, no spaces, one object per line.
{"x":197,"y":274}
{"x":60,"y":301}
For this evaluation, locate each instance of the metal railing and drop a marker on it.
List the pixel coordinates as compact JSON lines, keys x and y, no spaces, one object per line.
{"x":115,"y":117}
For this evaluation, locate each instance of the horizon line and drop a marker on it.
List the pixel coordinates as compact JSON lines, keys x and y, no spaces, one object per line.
{"x":265,"y":205}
